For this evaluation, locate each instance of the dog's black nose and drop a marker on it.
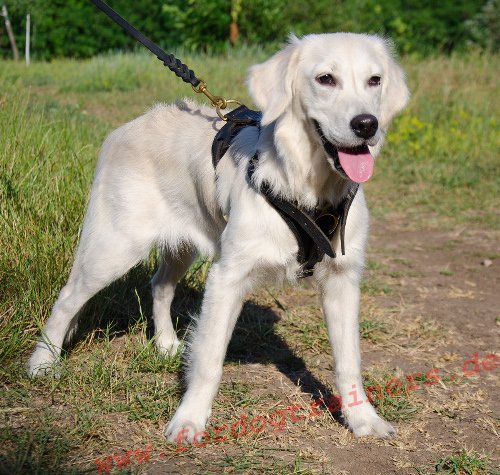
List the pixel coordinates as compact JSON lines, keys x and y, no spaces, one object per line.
{"x":364,"y":125}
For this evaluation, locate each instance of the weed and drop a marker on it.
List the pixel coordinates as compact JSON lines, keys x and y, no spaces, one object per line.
{"x":389,"y":395}
{"x":371,"y":329}
{"x":463,"y":463}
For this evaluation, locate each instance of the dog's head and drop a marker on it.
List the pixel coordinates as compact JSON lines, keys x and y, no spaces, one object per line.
{"x":347,"y":86}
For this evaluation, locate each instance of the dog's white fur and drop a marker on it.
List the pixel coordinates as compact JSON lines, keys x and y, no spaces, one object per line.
{"x":155,"y":186}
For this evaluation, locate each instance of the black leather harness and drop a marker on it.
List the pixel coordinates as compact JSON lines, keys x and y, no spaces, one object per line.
{"x":313,"y":229}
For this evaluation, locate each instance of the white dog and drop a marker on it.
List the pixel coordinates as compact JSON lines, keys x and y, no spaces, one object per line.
{"x":155,"y":186}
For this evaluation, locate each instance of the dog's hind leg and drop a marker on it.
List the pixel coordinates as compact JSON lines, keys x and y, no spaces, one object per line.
{"x":171,"y":270}
{"x":104,"y":254}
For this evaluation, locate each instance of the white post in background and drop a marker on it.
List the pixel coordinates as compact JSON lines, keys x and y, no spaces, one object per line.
{"x":10,"y":34}
{"x":27,"y":46}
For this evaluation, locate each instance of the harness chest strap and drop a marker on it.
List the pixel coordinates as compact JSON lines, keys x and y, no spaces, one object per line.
{"x":314,"y":229}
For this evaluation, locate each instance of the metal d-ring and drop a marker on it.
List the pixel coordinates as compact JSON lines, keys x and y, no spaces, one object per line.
{"x":335,"y":218}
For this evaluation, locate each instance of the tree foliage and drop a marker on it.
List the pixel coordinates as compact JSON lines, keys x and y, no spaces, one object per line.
{"x":76,"y":28}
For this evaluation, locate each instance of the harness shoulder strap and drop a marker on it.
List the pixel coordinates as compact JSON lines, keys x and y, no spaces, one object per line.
{"x":313,"y":231}
{"x":300,"y":218}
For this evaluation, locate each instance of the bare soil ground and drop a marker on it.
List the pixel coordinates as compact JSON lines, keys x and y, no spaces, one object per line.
{"x":429,"y":302}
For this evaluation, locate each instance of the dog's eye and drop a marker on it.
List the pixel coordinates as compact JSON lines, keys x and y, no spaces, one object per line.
{"x":374,"y":81}
{"x":326,"y":80}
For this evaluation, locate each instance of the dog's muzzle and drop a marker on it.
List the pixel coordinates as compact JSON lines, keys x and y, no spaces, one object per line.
{"x":354,"y":163}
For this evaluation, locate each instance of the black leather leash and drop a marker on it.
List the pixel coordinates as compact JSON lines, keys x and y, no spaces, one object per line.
{"x":169,"y":60}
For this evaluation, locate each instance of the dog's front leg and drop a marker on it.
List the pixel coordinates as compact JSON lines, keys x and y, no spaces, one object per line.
{"x":340,"y":296}
{"x":226,"y":287}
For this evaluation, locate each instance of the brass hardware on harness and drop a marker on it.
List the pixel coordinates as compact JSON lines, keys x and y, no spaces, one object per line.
{"x":219,"y":102}
{"x":334,"y":222}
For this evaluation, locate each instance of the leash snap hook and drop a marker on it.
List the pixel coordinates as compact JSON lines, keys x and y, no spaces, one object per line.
{"x":226,"y":102}
{"x":219,"y":102}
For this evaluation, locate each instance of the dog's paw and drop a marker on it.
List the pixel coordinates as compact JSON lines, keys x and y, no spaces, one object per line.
{"x":374,"y":426}
{"x":43,"y":363}
{"x":367,"y":422}
{"x":184,"y":432}
{"x":188,"y":424}
{"x":167,"y":346}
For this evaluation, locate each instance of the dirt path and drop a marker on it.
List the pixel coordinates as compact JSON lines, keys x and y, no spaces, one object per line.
{"x":429,"y":302}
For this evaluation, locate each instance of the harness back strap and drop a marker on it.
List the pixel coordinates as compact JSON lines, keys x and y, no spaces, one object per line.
{"x":237,"y":120}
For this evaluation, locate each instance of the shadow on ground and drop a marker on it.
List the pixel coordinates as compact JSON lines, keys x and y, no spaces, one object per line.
{"x":128,"y":301}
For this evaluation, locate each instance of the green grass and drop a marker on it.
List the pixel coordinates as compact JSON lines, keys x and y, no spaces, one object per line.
{"x":390,"y":396}
{"x":261,"y":462}
{"x":439,"y":165}
{"x":463,"y":463}
{"x":441,"y":158}
{"x":371,"y":329}
{"x":40,"y":451}
{"x":121,"y":86}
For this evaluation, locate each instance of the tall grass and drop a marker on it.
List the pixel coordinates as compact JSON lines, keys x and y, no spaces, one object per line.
{"x":47,"y":160}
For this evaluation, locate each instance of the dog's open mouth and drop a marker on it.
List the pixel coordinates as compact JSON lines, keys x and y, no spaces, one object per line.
{"x":356,"y":163}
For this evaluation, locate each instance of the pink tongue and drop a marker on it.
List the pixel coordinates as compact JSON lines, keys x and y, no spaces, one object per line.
{"x":357,"y":164}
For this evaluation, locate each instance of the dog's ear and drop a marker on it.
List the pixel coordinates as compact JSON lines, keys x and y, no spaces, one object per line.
{"x":395,"y":93}
{"x":271,"y":83}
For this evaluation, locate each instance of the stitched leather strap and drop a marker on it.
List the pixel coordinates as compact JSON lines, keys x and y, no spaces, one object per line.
{"x":300,"y":218}
{"x":346,"y":205}
{"x":314,"y":242}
